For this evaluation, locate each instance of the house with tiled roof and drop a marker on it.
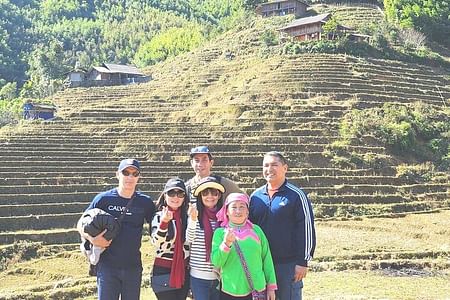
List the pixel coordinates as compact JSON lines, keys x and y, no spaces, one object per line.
{"x":106,"y":74}
{"x":281,"y":8}
{"x":309,"y":28}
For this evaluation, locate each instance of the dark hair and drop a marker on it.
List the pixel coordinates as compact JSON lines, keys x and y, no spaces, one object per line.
{"x":161,"y":202}
{"x":278,"y":155}
{"x":201,"y":207}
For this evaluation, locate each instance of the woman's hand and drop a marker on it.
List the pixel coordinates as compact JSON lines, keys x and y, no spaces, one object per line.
{"x":166,"y":215}
{"x":229,"y":237}
{"x":271,"y":295}
{"x":192,"y":212}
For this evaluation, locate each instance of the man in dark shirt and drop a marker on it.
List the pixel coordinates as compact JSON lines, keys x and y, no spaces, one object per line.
{"x":119,"y":270}
{"x":285,"y":214}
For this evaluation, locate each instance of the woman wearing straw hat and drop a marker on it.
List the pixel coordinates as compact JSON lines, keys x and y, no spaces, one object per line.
{"x":201,"y":225}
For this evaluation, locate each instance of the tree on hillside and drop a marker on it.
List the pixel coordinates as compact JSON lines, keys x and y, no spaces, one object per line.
{"x":431,"y":17}
{"x":251,"y":4}
{"x":46,"y":68}
{"x":330,"y":28}
{"x":170,"y":43}
{"x":15,"y":39}
{"x":90,"y":32}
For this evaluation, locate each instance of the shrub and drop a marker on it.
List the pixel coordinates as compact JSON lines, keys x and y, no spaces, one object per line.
{"x":269,"y":38}
{"x":411,"y":38}
{"x":7,"y":118}
{"x":8,"y":91}
{"x":419,"y":129}
{"x":416,"y":173}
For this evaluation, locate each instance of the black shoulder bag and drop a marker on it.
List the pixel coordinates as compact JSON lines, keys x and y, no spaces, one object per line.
{"x":93,"y":268}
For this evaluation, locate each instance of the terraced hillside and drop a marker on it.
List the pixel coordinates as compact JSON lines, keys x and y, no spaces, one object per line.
{"x":241,"y":108}
{"x":355,"y":15}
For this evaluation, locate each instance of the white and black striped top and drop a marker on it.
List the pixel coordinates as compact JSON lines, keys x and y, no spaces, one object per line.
{"x":199,"y":267}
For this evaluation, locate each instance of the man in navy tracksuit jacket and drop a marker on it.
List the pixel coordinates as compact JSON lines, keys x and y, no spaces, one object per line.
{"x":285,"y":214}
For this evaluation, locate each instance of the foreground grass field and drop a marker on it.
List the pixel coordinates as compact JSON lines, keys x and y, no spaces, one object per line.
{"x":381,"y":258}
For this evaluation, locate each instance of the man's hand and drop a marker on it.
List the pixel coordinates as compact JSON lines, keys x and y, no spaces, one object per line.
{"x":300,"y":272}
{"x":99,"y":240}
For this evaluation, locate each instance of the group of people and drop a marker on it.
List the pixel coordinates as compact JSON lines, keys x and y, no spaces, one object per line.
{"x":210,"y":238}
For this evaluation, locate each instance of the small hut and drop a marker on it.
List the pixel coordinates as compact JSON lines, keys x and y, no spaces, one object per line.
{"x":281,"y":8}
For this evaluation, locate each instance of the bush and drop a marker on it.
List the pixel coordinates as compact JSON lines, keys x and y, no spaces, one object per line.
{"x":416,"y":173}
{"x":418,"y":129}
{"x":9,"y":91}
{"x":269,"y":38}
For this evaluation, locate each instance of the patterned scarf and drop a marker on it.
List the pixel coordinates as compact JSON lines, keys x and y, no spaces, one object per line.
{"x":178,"y":267}
{"x":208,"y":214}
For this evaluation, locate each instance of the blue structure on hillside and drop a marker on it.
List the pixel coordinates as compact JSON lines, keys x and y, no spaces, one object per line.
{"x":38,"y":111}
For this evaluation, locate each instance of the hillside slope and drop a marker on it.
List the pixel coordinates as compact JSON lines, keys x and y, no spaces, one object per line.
{"x":241,"y":105}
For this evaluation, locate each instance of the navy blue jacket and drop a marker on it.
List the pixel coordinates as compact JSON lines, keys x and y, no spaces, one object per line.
{"x":124,"y":251}
{"x":288,"y":222}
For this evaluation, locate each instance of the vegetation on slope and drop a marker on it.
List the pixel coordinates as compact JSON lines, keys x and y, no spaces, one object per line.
{"x":418,"y":130}
{"x":41,"y":40}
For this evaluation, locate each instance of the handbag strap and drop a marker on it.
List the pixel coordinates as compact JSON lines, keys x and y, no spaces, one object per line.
{"x":244,"y":265}
{"x":124,"y":212}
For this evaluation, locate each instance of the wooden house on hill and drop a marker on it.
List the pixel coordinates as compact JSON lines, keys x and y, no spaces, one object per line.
{"x":309,"y":28}
{"x":105,"y":75}
{"x":281,"y":8}
{"x":76,"y":76}
{"x":113,"y":72}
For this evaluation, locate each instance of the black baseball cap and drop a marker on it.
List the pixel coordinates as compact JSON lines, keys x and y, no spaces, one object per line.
{"x":201,"y":150}
{"x":129,"y":162}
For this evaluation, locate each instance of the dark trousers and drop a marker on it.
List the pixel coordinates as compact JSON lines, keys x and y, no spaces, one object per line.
{"x":178,"y":294}
{"x":114,"y":282}
{"x":224,"y":296}
{"x":287,"y":288}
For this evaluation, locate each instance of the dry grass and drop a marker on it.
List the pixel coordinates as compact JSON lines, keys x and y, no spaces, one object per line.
{"x":415,"y":232}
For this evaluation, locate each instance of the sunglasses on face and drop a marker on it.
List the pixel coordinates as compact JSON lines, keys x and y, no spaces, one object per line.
{"x":176,"y":193}
{"x":128,"y":173}
{"x":213,"y":192}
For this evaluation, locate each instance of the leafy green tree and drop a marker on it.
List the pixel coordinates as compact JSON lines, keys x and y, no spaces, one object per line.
{"x":330,"y":28}
{"x":431,"y":17}
{"x":46,"y":70}
{"x":8,"y":91}
{"x":41,"y":39}
{"x":15,"y":40}
{"x":170,"y":43}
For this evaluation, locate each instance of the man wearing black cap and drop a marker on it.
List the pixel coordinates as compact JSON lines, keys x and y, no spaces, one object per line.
{"x":119,"y":270}
{"x":202,"y":162}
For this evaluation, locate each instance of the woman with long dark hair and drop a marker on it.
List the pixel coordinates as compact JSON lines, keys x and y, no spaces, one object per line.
{"x":169,"y":237}
{"x":201,"y":225}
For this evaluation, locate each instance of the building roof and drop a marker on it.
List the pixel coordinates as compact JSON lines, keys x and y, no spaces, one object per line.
{"x":102,"y":70}
{"x":43,"y":106}
{"x":113,"y":68}
{"x":307,"y":20}
{"x":360,"y":35}
{"x":280,"y":1}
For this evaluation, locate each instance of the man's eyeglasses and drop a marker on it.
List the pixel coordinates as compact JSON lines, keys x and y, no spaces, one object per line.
{"x":213,"y":192}
{"x":176,"y":193}
{"x":128,"y":173}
